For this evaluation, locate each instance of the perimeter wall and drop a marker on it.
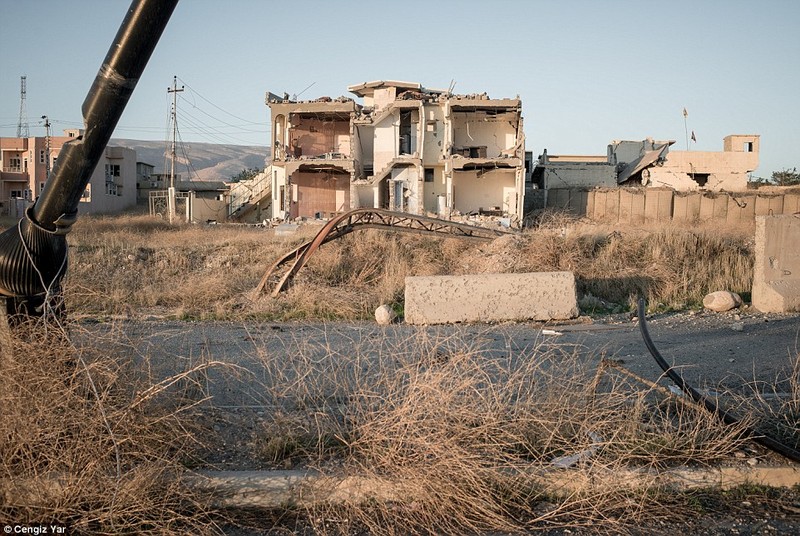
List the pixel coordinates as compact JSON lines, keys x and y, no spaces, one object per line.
{"x":640,"y":205}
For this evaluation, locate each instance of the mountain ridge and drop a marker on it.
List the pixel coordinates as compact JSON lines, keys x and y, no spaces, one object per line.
{"x":206,"y":161}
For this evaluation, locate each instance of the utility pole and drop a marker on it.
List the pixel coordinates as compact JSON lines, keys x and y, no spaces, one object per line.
{"x":22,"y":124}
{"x":171,"y":192}
{"x":46,"y":150}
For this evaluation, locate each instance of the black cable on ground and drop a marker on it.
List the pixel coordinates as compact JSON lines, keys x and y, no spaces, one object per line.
{"x":760,"y":438}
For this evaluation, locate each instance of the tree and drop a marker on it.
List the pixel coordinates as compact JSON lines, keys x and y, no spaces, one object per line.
{"x":786,"y":177}
{"x":245,"y":174}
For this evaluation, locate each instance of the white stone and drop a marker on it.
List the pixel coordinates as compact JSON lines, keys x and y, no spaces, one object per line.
{"x":384,"y":315}
{"x":721,"y":301}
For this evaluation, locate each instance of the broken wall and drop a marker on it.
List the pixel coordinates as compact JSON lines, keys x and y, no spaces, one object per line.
{"x":475,"y":191}
{"x":487,"y":134}
{"x":319,"y":194}
{"x":691,"y":170}
{"x":579,"y":175}
{"x":678,"y":180}
{"x":315,"y":137}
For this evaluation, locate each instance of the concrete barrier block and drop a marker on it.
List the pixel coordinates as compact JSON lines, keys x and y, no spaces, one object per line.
{"x":776,"y":274}
{"x":490,"y":298}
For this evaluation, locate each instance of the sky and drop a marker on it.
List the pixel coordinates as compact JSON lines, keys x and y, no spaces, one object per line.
{"x":588,"y":72}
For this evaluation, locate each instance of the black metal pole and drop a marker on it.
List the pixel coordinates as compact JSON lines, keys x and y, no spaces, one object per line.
{"x":33,"y":254}
{"x":104,"y":104}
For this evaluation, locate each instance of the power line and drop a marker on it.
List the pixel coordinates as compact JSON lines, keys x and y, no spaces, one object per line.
{"x":195,"y":92}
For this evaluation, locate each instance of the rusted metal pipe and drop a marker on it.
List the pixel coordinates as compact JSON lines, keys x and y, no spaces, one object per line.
{"x":367,"y":218}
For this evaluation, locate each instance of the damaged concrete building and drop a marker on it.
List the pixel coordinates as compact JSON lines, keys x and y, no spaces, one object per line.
{"x":650,"y":163}
{"x":406,"y":148}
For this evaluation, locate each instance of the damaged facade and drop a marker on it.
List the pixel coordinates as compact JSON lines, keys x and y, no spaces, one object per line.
{"x":650,"y":163}
{"x":407,"y":148}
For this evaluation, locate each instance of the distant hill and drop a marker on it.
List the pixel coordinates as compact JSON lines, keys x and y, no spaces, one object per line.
{"x":208,"y":161}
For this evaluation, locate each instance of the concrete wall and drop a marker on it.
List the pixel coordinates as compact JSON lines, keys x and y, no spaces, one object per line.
{"x":434,"y":190}
{"x":363,"y":146}
{"x":776,"y":277}
{"x":204,"y":209}
{"x":385,"y":142}
{"x":637,"y":205}
{"x":433,"y":135}
{"x":365,"y":196}
{"x":410,"y":179}
{"x":726,"y":170}
{"x":490,"y":298}
{"x":579,"y":175}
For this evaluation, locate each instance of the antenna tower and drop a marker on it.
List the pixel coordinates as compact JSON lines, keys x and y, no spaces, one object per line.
{"x":22,"y":125}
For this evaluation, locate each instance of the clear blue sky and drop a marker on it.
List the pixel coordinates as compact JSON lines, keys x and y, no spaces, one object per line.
{"x":587,"y":71}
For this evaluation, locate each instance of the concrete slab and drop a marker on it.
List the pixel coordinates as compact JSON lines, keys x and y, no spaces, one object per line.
{"x":276,"y":489}
{"x":490,"y":298}
{"x":776,"y":275}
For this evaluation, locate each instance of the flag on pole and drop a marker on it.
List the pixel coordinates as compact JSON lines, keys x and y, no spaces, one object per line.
{"x":694,"y":139}
{"x":685,"y":113}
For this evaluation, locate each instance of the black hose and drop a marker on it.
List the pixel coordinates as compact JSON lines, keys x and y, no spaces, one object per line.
{"x":760,"y":438}
{"x":33,"y":254}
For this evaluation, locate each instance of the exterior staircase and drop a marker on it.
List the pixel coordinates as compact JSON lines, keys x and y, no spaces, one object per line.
{"x":246,"y":195}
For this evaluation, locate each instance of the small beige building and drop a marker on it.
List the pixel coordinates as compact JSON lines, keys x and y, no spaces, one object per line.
{"x":706,"y":170}
{"x":651,"y":163}
{"x":26,"y":164}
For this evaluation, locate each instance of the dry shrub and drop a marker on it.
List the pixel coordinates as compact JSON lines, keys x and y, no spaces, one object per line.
{"x":86,"y":443}
{"x":121,"y":265}
{"x":461,"y":433}
{"x":351,"y":277}
{"x":668,"y":264}
{"x":124,"y":264}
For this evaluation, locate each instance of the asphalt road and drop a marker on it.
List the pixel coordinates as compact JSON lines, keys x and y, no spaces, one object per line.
{"x":709,"y":349}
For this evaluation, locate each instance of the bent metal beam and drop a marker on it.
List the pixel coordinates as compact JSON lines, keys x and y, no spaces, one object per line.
{"x":279,"y":277}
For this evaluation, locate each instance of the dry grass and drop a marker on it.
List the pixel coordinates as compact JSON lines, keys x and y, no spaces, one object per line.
{"x":92,"y":438}
{"x":89,"y":443}
{"x":461,"y":434}
{"x":464,"y":431}
{"x":134,"y":264}
{"x":775,"y":405}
